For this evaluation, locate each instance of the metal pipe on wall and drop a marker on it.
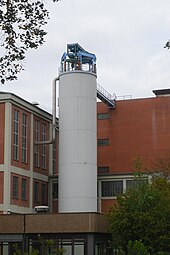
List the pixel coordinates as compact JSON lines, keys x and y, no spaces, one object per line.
{"x":52,"y":140}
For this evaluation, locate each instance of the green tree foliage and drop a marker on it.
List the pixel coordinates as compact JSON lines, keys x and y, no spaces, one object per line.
{"x":143,"y":213}
{"x":21,"y":23}
{"x":137,"y":248}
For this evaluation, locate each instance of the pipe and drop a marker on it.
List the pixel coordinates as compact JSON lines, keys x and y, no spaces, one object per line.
{"x":52,"y":140}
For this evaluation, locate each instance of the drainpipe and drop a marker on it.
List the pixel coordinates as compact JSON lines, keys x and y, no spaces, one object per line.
{"x":53,"y":115}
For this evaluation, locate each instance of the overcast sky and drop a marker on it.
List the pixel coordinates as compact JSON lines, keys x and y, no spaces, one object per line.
{"x":127,"y":36}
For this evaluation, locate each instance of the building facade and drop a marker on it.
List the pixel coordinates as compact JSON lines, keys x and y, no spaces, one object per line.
{"x":136,"y":128}
{"x":24,"y":166}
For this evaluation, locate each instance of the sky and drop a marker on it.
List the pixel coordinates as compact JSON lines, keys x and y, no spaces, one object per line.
{"x":127,"y":37}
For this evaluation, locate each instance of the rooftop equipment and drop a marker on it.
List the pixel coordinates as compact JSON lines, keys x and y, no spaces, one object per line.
{"x":41,"y":209}
{"x":77,"y":58}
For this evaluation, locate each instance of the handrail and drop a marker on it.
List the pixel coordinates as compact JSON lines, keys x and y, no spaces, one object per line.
{"x":105,"y":92}
{"x":68,"y":67}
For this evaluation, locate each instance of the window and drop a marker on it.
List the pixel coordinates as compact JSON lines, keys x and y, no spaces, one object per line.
{"x":103,"y":169}
{"x":36,"y":192}
{"x":37,"y":148}
{"x":134,"y":183}
{"x":16,"y":136}
{"x":79,"y":248}
{"x":24,"y":189}
{"x":103,"y":116}
{"x":15,"y":187}
{"x":24,"y":138}
{"x":55,"y":190}
{"x":103,"y":142}
{"x":43,"y":155}
{"x":44,"y":193}
{"x":112,"y":188}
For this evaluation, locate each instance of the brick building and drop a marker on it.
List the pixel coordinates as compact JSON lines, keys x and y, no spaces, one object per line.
{"x":29,"y":172}
{"x":24,"y":167}
{"x":135,"y":128}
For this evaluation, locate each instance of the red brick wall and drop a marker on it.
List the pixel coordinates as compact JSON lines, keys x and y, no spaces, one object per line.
{"x":19,"y":163}
{"x":139,"y":127}
{"x":106,"y":205}
{"x":1,"y":187}
{"x":19,"y":201}
{"x":2,"y":125}
{"x":54,"y":206}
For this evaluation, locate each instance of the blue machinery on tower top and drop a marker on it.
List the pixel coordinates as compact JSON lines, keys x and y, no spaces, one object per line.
{"x":77,"y":58}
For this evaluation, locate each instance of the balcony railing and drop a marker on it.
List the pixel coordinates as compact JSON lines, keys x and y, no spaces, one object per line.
{"x":70,"y":66}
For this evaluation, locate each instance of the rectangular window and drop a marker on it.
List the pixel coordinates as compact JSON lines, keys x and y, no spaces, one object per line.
{"x":103,"y":116}
{"x":103,"y":142}
{"x":43,"y":155}
{"x":15,"y":187}
{"x":37,"y":148}
{"x":103,"y":169}
{"x":24,"y":189}
{"x":36,"y":192}
{"x":112,"y":188}
{"x":16,"y":136}
{"x":44,"y":194}
{"x":134,"y":183}
{"x":24,"y":138}
{"x":55,"y":190}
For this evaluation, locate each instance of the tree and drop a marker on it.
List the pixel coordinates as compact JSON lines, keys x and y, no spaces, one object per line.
{"x":161,"y":166}
{"x":143,"y":213}
{"x":21,"y":23}
{"x":137,"y":248}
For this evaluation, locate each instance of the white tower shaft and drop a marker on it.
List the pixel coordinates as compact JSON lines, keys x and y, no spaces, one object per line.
{"x":77,"y":142}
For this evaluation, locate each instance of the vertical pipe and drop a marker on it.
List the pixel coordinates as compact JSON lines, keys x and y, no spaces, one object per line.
{"x":52,"y":140}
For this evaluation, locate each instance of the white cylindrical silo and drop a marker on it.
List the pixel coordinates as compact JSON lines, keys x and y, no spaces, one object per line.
{"x":77,"y":142}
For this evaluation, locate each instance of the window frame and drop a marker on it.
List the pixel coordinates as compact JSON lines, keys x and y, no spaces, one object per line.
{"x":55,"y":191}
{"x":110,"y":190}
{"x":24,"y":137}
{"x":135,"y":183}
{"x":103,"y":142}
{"x":16,"y":135}
{"x":15,"y":186}
{"x":44,"y":150}
{"x":24,"y":189}
{"x":37,"y":147}
{"x":103,"y":169}
{"x":36,"y":197}
{"x":103,"y":116}
{"x":44,"y":193}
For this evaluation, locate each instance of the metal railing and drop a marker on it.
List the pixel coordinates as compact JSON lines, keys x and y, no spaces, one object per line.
{"x":68,"y":67}
{"x":105,"y":92}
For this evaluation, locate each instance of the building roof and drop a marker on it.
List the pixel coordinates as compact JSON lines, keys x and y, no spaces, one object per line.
{"x":161,"y":92}
{"x":8,"y":96}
